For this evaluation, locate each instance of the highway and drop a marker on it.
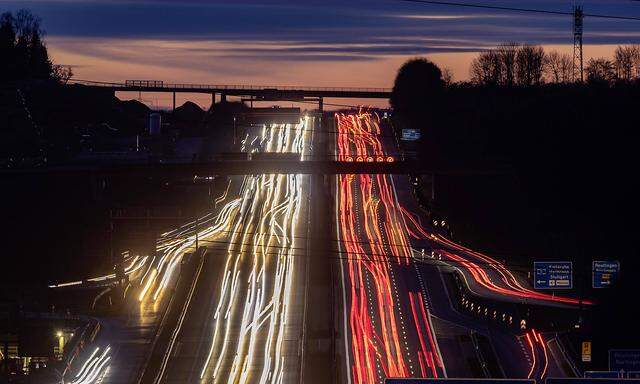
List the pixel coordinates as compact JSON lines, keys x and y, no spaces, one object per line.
{"x":240,"y":314}
{"x":524,"y":353}
{"x":483,"y":274}
{"x":398,"y":317}
{"x":130,"y":335}
{"x":387,"y":324}
{"x":244,"y":320}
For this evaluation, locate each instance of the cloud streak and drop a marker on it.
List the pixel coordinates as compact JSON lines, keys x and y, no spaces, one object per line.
{"x":245,"y":39}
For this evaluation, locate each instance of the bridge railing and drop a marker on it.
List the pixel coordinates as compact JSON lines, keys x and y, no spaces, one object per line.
{"x":143,"y":83}
{"x":132,"y":84}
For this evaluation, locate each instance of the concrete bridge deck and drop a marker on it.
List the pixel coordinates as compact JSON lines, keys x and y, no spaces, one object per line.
{"x":259,"y":91}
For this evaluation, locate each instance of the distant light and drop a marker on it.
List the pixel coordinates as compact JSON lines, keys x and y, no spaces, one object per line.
{"x":349,"y":158}
{"x":359,"y":159}
{"x":379,"y":159}
{"x":369,"y":159}
{"x":59,"y":334}
{"x":390,"y":159}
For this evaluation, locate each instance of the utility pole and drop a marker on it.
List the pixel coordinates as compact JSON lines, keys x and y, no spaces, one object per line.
{"x":578,"y":67}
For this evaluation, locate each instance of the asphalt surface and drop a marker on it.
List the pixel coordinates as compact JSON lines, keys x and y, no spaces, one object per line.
{"x":387,"y":323}
{"x":245,"y":322}
{"x":260,"y":238}
{"x":248,"y":315}
{"x":469,"y":345}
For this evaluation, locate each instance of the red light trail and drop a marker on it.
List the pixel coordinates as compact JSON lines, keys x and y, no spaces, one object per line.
{"x":539,"y":356}
{"x":468,"y":259}
{"x":371,"y":223}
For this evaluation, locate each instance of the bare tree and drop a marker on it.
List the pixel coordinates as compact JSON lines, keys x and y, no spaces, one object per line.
{"x":600,"y":70}
{"x":507,"y":53}
{"x":624,"y":62}
{"x":559,"y":67}
{"x":530,"y":60}
{"x":486,"y":69}
{"x":447,"y":76}
{"x":636,"y":60}
{"x":62,"y":73}
{"x":7,"y":46}
{"x":27,"y":27}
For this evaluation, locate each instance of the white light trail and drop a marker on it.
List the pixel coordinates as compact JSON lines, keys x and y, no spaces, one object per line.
{"x":255,"y":292}
{"x":94,"y":368}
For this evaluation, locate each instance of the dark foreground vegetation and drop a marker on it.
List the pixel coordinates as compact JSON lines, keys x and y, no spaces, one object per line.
{"x":571,"y":189}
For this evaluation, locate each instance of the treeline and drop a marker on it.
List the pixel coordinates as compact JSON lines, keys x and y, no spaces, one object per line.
{"x":513,"y":64}
{"x":23,"y":52}
{"x":570,"y":157}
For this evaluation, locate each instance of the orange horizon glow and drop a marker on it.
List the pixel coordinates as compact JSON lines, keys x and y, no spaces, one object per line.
{"x":197,"y":62}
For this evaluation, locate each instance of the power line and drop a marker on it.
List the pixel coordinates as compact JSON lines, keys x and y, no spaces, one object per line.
{"x":303,"y":252}
{"x":517,"y":9}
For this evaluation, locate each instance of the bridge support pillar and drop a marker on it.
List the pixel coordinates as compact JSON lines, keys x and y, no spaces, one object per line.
{"x":320,"y":104}
{"x":223,"y":97}
{"x":174,"y":102}
{"x":213,"y":99}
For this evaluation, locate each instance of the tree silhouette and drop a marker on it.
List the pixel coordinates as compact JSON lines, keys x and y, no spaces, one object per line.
{"x":507,"y":54}
{"x":530,"y":60}
{"x":7,"y":45}
{"x":486,"y":69}
{"x":600,"y":71}
{"x":416,"y":92}
{"x":23,"y":53}
{"x":626,"y":59}
{"x":559,"y":67}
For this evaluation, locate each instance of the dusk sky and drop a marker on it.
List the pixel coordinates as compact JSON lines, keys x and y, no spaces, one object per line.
{"x":323,"y":43}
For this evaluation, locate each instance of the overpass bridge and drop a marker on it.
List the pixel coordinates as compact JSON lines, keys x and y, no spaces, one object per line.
{"x":255,"y":92}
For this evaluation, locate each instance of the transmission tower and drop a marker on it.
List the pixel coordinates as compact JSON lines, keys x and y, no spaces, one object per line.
{"x":578,"y":68}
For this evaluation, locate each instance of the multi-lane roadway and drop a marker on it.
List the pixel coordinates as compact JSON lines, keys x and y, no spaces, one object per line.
{"x":241,"y":316}
{"x":256,"y":319}
{"x":387,"y":325}
{"x":393,"y":286}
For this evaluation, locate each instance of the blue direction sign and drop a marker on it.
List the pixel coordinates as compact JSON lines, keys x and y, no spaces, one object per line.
{"x":553,"y":275}
{"x":410,"y":134}
{"x":459,"y":381}
{"x":624,"y":360}
{"x":605,"y":273}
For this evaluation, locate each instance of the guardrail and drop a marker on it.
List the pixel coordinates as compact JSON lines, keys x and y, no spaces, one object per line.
{"x":479,"y":354}
{"x":569,"y":358}
{"x":220,"y":87}
{"x":88,"y":334}
{"x":147,"y":371}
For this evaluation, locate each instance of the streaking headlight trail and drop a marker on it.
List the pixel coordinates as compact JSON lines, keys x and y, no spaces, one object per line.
{"x":94,"y":368}
{"x":254,"y":297}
